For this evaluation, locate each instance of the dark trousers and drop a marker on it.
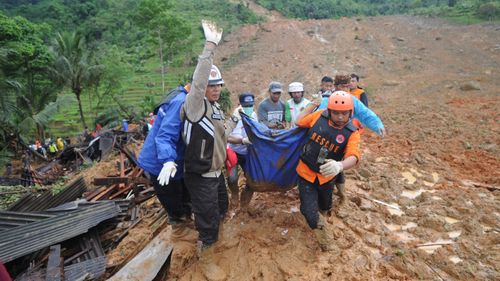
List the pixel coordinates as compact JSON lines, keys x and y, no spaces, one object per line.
{"x":174,"y":197}
{"x":340,"y":178}
{"x":210,"y":203}
{"x":314,"y":197}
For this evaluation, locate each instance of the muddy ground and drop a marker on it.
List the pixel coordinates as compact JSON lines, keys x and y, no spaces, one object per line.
{"x":435,"y":85}
{"x":423,"y":204}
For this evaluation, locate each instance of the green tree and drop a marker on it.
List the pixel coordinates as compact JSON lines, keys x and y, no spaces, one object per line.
{"x":488,"y":11}
{"x":26,"y":84}
{"x":73,"y":66}
{"x":108,"y":81}
{"x":166,"y":28}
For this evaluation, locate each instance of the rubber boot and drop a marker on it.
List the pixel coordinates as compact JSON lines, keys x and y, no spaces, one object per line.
{"x":246,"y":196}
{"x":324,"y":236}
{"x":210,"y":269}
{"x":341,"y":192}
{"x":326,"y":213}
{"x":182,"y":232}
{"x":220,"y":235}
{"x":234,"y":190}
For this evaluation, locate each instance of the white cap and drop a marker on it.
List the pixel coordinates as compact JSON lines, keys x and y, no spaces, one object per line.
{"x":295,"y":87}
{"x":215,"y":77}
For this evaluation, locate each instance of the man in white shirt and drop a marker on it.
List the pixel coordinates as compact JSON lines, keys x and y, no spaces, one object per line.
{"x":296,"y":104}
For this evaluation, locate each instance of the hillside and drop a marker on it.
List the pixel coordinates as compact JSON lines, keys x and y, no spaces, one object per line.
{"x":423,"y":204}
{"x":439,"y":168}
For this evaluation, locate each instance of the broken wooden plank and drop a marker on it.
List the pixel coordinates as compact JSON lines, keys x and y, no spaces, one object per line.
{"x":130,"y":155}
{"x":122,"y":191}
{"x":75,"y":256}
{"x":135,"y":174}
{"x":105,"y":194}
{"x":125,"y":180}
{"x":435,"y":244}
{"x":152,"y":261}
{"x":54,"y":264}
{"x":94,"y":193}
{"x":122,"y":168}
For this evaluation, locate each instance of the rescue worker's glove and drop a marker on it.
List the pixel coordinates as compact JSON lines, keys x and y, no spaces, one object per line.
{"x":212,"y":32}
{"x":331,"y":168}
{"x":168,"y":171}
{"x":246,"y":141}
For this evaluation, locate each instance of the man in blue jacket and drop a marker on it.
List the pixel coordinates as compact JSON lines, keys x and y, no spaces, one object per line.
{"x":361,"y":112}
{"x":162,"y":157}
{"x":365,"y":115}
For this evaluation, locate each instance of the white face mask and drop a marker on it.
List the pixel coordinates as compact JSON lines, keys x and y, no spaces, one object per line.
{"x":248,"y":110}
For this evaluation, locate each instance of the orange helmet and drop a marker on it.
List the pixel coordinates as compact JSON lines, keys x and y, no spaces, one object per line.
{"x":341,"y":101}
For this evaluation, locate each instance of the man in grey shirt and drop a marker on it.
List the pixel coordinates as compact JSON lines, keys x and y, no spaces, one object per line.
{"x":271,"y":111}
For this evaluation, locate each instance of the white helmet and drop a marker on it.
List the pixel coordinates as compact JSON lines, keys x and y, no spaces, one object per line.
{"x":215,"y":77}
{"x":295,"y":87}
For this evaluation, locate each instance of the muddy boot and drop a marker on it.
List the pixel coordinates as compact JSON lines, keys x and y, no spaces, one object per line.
{"x":181,"y":232}
{"x":324,"y":236}
{"x":234,"y":190}
{"x":326,"y":213}
{"x":246,"y":196}
{"x":221,"y":230}
{"x":341,"y":192}
{"x":210,"y":269}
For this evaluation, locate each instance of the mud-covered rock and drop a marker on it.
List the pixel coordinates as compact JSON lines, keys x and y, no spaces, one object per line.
{"x":433,"y":222}
{"x":364,"y":173}
{"x":470,"y":86}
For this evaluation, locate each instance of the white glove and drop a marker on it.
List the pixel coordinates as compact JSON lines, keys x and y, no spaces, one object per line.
{"x":246,"y":141}
{"x":331,"y":168}
{"x":212,"y":32}
{"x":168,"y":171}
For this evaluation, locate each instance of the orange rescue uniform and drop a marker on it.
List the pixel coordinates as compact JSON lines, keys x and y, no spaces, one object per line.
{"x":352,"y":149}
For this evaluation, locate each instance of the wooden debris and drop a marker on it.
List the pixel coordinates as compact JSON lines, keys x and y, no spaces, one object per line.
{"x":152,"y":261}
{"x":125,"y":180}
{"x":435,"y":244}
{"x":54,"y":264}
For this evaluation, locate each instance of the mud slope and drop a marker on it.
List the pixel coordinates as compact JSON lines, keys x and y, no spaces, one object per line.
{"x":435,"y":167}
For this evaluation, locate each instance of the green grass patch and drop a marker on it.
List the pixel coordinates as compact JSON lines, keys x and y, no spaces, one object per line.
{"x":135,"y":89}
{"x":468,"y":19}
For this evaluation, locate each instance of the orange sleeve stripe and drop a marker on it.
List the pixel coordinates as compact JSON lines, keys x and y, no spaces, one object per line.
{"x":353,"y":146}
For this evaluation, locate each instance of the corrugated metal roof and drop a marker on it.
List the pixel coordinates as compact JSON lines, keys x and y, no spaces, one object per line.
{"x":25,"y":239}
{"x":34,"y":202}
{"x":14,"y":219}
{"x":94,"y":267}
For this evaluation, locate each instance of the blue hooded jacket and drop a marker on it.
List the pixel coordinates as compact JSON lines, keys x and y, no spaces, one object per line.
{"x":164,"y":142}
{"x":365,"y":115}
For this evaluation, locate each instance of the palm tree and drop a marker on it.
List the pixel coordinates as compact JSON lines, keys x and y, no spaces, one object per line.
{"x":17,"y":122}
{"x":73,"y":66}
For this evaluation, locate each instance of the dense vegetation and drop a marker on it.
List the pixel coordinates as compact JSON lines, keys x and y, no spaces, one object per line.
{"x":468,"y":10}
{"x":67,"y":64}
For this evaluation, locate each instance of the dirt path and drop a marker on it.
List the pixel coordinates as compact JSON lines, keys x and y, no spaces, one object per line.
{"x":433,"y":169}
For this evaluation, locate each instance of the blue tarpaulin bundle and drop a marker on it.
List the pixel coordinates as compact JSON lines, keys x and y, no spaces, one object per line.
{"x":272,"y":156}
